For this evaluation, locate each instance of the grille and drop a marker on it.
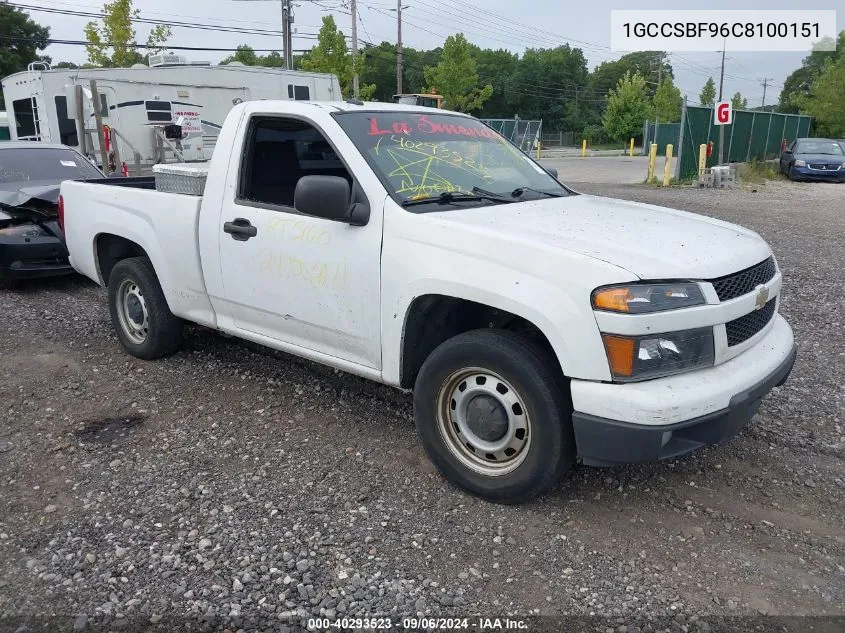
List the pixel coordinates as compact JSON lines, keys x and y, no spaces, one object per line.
{"x":741,"y":329}
{"x":745,"y":281}
{"x":825,"y":166}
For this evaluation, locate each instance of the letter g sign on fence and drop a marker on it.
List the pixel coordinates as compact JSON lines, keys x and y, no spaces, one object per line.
{"x":723,"y":113}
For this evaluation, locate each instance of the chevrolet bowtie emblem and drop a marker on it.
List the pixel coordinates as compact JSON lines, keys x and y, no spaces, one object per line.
{"x":762,"y":297}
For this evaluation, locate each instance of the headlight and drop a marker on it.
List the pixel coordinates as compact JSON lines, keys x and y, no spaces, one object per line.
{"x":800,"y":163}
{"x":634,"y":358}
{"x":644,"y":298}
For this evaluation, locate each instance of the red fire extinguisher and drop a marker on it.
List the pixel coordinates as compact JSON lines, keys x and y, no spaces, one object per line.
{"x":783,"y":145}
{"x":107,"y":137}
{"x":709,"y":149}
{"x":125,"y":170}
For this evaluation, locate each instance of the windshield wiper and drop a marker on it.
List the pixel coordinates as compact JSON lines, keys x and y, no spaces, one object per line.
{"x":520,"y":191}
{"x":447,"y":197}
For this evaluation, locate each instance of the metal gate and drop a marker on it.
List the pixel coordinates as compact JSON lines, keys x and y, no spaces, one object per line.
{"x":523,"y":133}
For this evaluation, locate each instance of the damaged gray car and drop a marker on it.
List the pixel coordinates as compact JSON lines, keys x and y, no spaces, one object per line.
{"x":31,"y":239}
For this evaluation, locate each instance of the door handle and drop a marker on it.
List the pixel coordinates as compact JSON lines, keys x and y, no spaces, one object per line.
{"x":240,"y":229}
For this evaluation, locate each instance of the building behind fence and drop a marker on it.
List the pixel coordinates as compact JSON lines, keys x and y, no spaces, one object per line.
{"x":523,"y":133}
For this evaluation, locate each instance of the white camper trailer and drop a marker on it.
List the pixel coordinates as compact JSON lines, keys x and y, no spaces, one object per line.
{"x":138,"y":106}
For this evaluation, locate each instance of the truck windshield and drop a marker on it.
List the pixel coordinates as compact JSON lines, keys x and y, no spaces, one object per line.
{"x":420,"y":156}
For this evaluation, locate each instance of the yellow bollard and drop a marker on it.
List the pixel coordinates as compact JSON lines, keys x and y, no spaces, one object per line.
{"x":584,"y":147}
{"x":667,"y":169}
{"x":652,"y":160}
{"x":631,"y":154}
{"x":538,"y":149}
{"x":702,"y":159}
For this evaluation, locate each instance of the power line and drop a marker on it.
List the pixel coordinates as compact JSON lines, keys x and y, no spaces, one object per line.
{"x":153,"y":13}
{"x":186,"y":25}
{"x":136,"y":46}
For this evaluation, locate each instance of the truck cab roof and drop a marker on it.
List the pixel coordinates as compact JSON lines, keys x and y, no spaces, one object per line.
{"x":376,"y":106}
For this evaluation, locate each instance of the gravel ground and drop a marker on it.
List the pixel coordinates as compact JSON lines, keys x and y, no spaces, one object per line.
{"x":236,"y":487}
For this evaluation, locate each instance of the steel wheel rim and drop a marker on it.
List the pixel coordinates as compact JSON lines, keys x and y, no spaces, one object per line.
{"x":132,"y":311}
{"x":459,"y":399}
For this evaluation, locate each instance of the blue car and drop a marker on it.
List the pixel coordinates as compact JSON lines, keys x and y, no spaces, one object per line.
{"x":814,"y":159}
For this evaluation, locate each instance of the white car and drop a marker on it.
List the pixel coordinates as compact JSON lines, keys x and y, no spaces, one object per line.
{"x":417,"y":247}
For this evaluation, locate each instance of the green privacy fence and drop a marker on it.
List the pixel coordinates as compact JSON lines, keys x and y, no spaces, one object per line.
{"x":752,"y":136}
{"x":661,"y":133}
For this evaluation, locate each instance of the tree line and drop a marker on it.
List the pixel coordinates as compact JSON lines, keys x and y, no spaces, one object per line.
{"x":609,"y":103}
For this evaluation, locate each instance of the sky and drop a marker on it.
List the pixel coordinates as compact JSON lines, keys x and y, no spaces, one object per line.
{"x":426,"y":23}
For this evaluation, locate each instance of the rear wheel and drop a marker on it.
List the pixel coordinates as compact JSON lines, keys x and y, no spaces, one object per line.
{"x":139,"y":311}
{"x":492,"y":416}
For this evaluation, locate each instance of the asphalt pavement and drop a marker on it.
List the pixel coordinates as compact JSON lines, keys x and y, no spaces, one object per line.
{"x":619,"y":170}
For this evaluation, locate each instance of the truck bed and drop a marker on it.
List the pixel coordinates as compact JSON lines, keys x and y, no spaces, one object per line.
{"x":164,"y":225}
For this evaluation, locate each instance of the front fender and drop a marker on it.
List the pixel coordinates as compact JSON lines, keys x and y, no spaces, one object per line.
{"x":563,"y":314}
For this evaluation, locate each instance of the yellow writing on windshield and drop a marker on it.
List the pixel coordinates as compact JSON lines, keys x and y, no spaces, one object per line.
{"x":425,"y":168}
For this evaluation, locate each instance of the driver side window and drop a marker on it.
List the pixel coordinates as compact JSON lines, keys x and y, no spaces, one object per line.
{"x":280,"y":151}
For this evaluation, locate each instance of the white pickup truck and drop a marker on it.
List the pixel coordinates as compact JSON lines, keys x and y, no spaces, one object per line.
{"x":417,"y":247}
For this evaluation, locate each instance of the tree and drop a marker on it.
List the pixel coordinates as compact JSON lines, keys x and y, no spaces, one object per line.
{"x":667,"y":102}
{"x":331,"y":55}
{"x":378,"y":67}
{"x":738,"y":102}
{"x":797,"y":86}
{"x":24,"y":38}
{"x":654,"y":66}
{"x":546,"y":84}
{"x":244,"y":55}
{"x":112,"y":43}
{"x":627,"y":108}
{"x":707,"y":96}
{"x":413,"y":71}
{"x":456,"y":77}
{"x":68,"y":65}
{"x":824,"y":103}
{"x":247,"y":56}
{"x":495,"y":67}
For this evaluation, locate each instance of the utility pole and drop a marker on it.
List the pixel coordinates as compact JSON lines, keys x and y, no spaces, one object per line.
{"x":399,"y":47}
{"x":722,"y":127}
{"x":659,"y":68}
{"x":287,"y":20}
{"x":356,"y":88}
{"x":766,"y":81}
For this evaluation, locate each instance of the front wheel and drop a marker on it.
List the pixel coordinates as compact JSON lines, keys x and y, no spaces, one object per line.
{"x":791,"y":174}
{"x":492,"y":416}
{"x":141,"y":317}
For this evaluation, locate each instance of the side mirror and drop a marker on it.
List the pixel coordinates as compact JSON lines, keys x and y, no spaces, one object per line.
{"x":326,"y":197}
{"x":550,"y":169}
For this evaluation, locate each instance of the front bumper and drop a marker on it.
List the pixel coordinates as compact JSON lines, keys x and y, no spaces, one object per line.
{"x":806,"y":173}
{"x":38,"y":257}
{"x":669,"y":417}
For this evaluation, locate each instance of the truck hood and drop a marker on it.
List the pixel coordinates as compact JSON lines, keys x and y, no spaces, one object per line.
{"x":648,"y":241}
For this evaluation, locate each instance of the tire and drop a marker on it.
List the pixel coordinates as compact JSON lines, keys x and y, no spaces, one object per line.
{"x":791,"y":174}
{"x":144,"y":323}
{"x":531,"y":447}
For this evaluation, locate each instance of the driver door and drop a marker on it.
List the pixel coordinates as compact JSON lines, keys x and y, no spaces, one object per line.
{"x":301,"y":280}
